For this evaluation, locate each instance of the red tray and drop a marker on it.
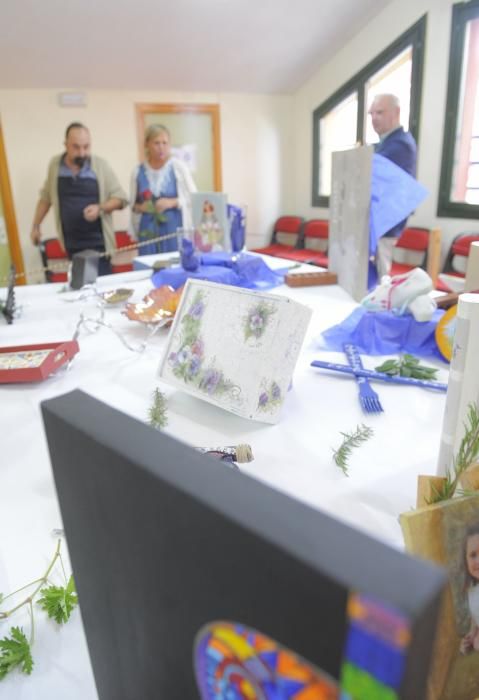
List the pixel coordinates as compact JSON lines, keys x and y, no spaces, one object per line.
{"x":34,"y":363}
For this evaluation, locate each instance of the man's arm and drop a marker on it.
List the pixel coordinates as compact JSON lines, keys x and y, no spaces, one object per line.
{"x":41,"y":211}
{"x":93,"y":211}
{"x":116,"y":197}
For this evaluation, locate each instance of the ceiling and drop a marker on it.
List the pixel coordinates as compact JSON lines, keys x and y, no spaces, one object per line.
{"x":263,"y":46}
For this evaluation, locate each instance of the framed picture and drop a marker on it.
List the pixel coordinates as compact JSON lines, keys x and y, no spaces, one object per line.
{"x":447,"y":532}
{"x":195,"y":137}
{"x":210,"y":221}
{"x":461,"y":542}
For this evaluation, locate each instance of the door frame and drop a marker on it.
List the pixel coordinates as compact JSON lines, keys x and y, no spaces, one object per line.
{"x":142,"y":109}
{"x":9,"y":213}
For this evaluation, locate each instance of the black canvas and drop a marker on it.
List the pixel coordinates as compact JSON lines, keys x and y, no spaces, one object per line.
{"x":163,"y":540}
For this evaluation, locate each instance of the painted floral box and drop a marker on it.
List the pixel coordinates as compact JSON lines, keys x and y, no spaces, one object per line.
{"x":235,"y":348}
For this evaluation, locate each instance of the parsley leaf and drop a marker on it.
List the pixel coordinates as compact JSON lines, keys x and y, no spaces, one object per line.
{"x":58,"y":601}
{"x":15,"y":651}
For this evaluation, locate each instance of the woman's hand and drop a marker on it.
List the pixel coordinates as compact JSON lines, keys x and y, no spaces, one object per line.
{"x":164,"y":203}
{"x":466,"y":643}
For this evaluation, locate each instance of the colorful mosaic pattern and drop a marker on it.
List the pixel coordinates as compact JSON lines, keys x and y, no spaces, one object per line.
{"x":23,"y":360}
{"x":233,"y":662}
{"x":375,"y":651}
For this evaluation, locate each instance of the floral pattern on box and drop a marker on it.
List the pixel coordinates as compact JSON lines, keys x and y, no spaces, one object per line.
{"x":235,"y":348}
{"x":188,"y":362}
{"x":256,"y":320}
{"x":270,"y":397}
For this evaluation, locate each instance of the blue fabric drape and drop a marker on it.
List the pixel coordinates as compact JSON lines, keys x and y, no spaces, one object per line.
{"x":240,"y":270}
{"x":383,"y":334}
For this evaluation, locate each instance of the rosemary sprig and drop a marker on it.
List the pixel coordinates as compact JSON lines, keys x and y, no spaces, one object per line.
{"x":354,"y":439}
{"x":158,"y":411}
{"x":467,"y":453}
{"x":407,"y":366}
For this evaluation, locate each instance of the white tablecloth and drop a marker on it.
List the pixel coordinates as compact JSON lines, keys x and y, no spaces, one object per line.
{"x":294,"y":456}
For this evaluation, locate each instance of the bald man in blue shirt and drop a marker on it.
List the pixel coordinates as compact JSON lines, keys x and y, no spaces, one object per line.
{"x":398,"y":146}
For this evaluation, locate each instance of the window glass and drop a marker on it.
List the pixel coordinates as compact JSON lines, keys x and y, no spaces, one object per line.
{"x":459,"y":186}
{"x":394,"y":78}
{"x":342,"y":121}
{"x":465,"y":170}
{"x":338,"y":130}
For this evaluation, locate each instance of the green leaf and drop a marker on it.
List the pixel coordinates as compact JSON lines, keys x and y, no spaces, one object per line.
{"x":388,"y":366}
{"x":423,"y":373}
{"x":15,"y":651}
{"x":1,"y":598}
{"x":407,"y":366}
{"x":59,"y":602}
{"x":410,"y":359}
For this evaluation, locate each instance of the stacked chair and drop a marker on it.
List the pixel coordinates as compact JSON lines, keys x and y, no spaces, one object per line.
{"x":410,"y":250}
{"x":121,"y":262}
{"x":315,"y":234}
{"x":455,"y":264}
{"x":299,"y":240}
{"x":55,"y":260}
{"x":286,"y":239}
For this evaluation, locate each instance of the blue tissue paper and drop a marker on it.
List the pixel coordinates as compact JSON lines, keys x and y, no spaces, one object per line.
{"x":384,"y":334}
{"x":394,"y":196}
{"x":238,"y":270}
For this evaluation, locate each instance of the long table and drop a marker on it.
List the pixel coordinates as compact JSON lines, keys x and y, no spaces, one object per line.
{"x":294,"y":456}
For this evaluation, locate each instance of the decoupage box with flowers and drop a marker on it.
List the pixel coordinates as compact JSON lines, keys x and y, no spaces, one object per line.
{"x":235,"y":348}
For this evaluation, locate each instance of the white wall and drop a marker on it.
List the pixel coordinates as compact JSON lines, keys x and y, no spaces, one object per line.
{"x":255,"y":140}
{"x":266,"y":140}
{"x":379,"y":33}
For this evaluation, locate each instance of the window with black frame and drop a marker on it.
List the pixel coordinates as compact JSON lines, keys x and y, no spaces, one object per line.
{"x":341,"y":121}
{"x":459,"y":186}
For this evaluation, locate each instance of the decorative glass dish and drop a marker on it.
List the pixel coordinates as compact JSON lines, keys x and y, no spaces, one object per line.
{"x":157,"y":306}
{"x":116,"y":296}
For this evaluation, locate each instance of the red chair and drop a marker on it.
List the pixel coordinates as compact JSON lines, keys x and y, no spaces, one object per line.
{"x":286,"y":238}
{"x":315,"y":236}
{"x":54,"y":259}
{"x":456,"y":260}
{"x":455,"y":264}
{"x":411,"y":250}
{"x":122,"y":262}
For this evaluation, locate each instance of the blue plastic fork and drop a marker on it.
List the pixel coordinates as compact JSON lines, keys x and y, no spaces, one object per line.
{"x":368,"y":398}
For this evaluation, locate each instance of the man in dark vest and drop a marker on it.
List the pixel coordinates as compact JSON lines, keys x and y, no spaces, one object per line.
{"x":83,"y":191}
{"x":400,"y":147}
